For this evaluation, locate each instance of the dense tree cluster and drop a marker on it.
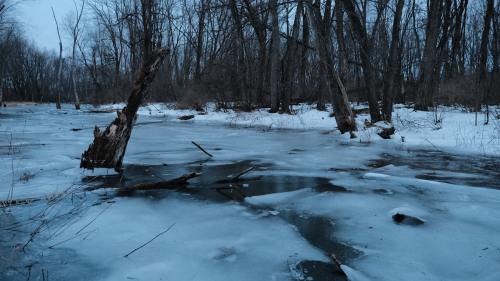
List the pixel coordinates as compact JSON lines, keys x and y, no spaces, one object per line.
{"x":252,"y":53}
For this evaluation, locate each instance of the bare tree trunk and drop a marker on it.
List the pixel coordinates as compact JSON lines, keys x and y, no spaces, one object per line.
{"x":304,"y":55}
{"x":343,"y":112}
{"x":291,"y":60}
{"x":483,"y":57}
{"x":199,"y":39}
{"x":108,"y":148}
{"x":452,"y":67}
{"x":495,"y":50}
{"x":326,"y":28}
{"x":365,"y":50}
{"x":241,"y":68}
{"x":1,"y":92}
{"x":59,"y":70}
{"x":339,"y":20}
{"x":75,"y":35}
{"x":275,"y":57}
{"x":427,"y":85}
{"x":393,"y":63}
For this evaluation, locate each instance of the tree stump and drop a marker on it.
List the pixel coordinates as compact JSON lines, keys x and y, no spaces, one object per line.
{"x":108,"y":148}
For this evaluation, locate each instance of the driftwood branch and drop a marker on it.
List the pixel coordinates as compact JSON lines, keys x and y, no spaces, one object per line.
{"x":201,"y":148}
{"x":238,"y":176}
{"x":151,"y":240}
{"x":108,"y":148}
{"x":170,"y":184}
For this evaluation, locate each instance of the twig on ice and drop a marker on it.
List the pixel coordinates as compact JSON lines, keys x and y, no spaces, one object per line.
{"x":237,"y":177}
{"x":143,"y":245}
{"x":201,"y":148}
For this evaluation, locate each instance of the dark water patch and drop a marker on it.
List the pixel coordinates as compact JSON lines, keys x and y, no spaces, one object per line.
{"x":319,"y":231}
{"x":319,"y":271}
{"x":216,"y":185}
{"x":473,"y":170}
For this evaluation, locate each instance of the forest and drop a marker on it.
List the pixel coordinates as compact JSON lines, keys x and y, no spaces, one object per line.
{"x":251,"y":54}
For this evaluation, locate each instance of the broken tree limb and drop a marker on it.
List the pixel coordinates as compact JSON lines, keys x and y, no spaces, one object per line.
{"x":108,"y":148}
{"x":170,"y":184}
{"x":238,"y":176}
{"x":201,"y":148}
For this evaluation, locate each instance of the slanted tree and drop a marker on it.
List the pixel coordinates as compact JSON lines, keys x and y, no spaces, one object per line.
{"x":60,"y":65}
{"x":109,"y":146}
{"x":75,"y":31}
{"x":343,"y":112}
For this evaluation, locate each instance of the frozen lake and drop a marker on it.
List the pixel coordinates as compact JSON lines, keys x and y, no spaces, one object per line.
{"x":311,"y":195}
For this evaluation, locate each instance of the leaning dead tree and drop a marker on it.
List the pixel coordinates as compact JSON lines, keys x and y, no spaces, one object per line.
{"x":109,"y":146}
{"x":60,"y":66}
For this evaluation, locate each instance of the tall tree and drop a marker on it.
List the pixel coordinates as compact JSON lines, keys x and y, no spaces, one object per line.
{"x":275,"y":56}
{"x":59,"y":70}
{"x":483,"y":56}
{"x":393,"y":64}
{"x":343,"y":112}
{"x":75,"y":31}
{"x":428,"y":66}
{"x":365,"y":46}
{"x":291,"y":60}
{"x":453,"y":66}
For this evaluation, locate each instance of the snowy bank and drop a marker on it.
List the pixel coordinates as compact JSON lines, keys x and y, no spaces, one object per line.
{"x":450,"y":129}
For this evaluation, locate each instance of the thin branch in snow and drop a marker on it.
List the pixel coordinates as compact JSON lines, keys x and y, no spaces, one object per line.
{"x":143,"y":245}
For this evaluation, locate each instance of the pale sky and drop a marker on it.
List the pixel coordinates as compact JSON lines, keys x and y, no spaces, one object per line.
{"x":36,"y":19}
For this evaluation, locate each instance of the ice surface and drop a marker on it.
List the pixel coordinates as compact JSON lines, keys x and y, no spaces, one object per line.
{"x":207,"y":242}
{"x":457,"y":196}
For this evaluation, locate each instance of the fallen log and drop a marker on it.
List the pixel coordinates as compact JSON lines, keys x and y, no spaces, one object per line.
{"x":16,"y":202}
{"x":176,"y":183}
{"x":171,"y":184}
{"x":186,"y":117}
{"x":108,"y":147}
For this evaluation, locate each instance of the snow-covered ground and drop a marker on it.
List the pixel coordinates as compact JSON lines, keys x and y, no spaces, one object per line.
{"x":313,"y":193}
{"x":451,"y":129}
